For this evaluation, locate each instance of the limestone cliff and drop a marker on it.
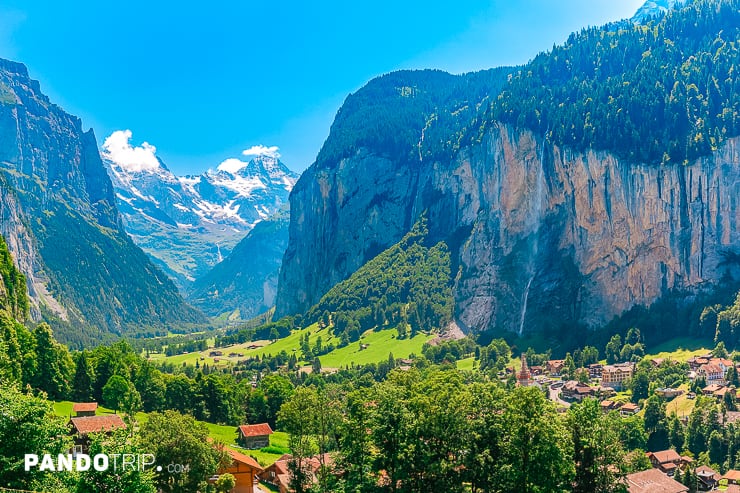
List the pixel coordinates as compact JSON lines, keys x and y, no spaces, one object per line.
{"x":539,"y":234}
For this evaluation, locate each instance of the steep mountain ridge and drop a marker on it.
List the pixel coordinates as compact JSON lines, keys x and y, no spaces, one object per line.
{"x":61,"y":224}
{"x":246,"y":281}
{"x":187,"y":224}
{"x":544,"y":229}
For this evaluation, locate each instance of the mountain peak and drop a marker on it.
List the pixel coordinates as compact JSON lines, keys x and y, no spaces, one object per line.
{"x":267,"y":157}
{"x":655,"y":8}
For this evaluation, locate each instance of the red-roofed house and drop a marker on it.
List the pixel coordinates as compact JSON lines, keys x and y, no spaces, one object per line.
{"x":653,"y":481}
{"x":708,"y":477}
{"x":278,"y":474}
{"x":81,"y":427}
{"x":732,"y":476}
{"x":666,"y":461}
{"x":245,"y":470}
{"x":712,"y":373}
{"x":254,"y":436}
{"x":84,"y":409}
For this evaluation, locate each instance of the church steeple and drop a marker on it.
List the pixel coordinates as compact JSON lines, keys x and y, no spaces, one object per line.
{"x":524,"y":376}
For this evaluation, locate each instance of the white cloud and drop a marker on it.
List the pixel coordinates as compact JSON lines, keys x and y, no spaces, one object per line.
{"x":261,"y":150}
{"x":231,"y":165}
{"x":118,"y":149}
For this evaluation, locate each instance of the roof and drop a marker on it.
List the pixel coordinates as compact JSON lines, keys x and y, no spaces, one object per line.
{"x":653,"y":481}
{"x":85,"y":407}
{"x":707,"y":472}
{"x":666,"y":456}
{"x":258,"y":430}
{"x":92,"y":424}
{"x":710,"y":368}
{"x":732,"y":474}
{"x":630,"y":406}
{"x":244,"y":459}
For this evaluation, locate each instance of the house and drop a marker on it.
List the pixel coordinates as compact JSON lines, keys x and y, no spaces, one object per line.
{"x":82,"y":409}
{"x":732,"y":476}
{"x":574,"y":390}
{"x":653,"y":481}
{"x":615,"y":375}
{"x":608,"y":405}
{"x":668,"y":393}
{"x":594,"y":370}
{"x":712,"y":374}
{"x":555,"y":366}
{"x":215,"y":353}
{"x":536,"y":370}
{"x":711,"y":389}
{"x":656,"y":362}
{"x":81,"y":427}
{"x":697,"y":361}
{"x":708,"y":478}
{"x":254,"y":436}
{"x":667,"y":461}
{"x":721,"y":393}
{"x":629,"y":409}
{"x":277,"y":474}
{"x":245,"y":470}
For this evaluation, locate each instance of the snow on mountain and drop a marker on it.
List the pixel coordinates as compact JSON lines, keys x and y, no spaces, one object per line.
{"x":189,"y":223}
{"x":655,"y":8}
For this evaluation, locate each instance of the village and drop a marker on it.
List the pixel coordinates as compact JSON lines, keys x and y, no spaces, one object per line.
{"x":605,"y":381}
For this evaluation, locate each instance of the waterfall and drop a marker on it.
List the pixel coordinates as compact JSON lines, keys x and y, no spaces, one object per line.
{"x":531,"y":265}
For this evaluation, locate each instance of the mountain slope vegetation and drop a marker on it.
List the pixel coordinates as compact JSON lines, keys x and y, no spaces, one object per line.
{"x":666,"y":92}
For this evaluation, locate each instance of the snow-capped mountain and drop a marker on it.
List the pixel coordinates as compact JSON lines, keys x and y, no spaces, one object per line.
{"x":655,"y":8}
{"x":187,"y":224}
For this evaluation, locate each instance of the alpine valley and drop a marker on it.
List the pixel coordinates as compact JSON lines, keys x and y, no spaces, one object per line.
{"x":517,"y":279}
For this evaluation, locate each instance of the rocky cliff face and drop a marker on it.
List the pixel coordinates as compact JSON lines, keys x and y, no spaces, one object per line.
{"x":62,"y":226}
{"x":539,"y":234}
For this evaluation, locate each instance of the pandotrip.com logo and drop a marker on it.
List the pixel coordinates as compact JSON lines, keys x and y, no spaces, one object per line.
{"x":99,"y":462}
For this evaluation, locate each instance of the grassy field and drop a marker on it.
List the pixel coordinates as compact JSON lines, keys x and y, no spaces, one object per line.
{"x":681,"y":348}
{"x":467,"y":364}
{"x":219,"y":433}
{"x":379,"y":345}
{"x":681,"y":405}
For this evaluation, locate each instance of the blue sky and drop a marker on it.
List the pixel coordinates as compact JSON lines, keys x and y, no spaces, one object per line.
{"x":203,"y":82}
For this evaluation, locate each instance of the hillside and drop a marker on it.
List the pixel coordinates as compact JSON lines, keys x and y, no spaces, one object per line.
{"x":590,"y":181}
{"x":61,"y":223}
{"x":244,"y":284}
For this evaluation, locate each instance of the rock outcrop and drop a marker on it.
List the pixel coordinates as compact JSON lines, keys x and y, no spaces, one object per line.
{"x":538,"y":233}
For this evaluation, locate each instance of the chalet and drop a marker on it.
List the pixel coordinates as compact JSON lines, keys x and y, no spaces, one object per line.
{"x":712,"y":374}
{"x":667,"y":461}
{"x":608,"y":405}
{"x":629,"y":409}
{"x":721,"y":393}
{"x":574,"y":390}
{"x":711,"y":389}
{"x":536,"y":370}
{"x":653,"y":481}
{"x":594,"y":370}
{"x":254,"y":436}
{"x":615,"y":375}
{"x":215,"y":353}
{"x":732,"y":476}
{"x":245,"y":470}
{"x":697,"y":361}
{"x":656,"y":362}
{"x":277,"y":474}
{"x":81,"y":427}
{"x":555,"y":366}
{"x":668,"y":393}
{"x":82,"y":409}
{"x":708,"y":478}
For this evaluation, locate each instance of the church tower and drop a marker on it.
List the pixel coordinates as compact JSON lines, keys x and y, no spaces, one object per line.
{"x":524,"y":377}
